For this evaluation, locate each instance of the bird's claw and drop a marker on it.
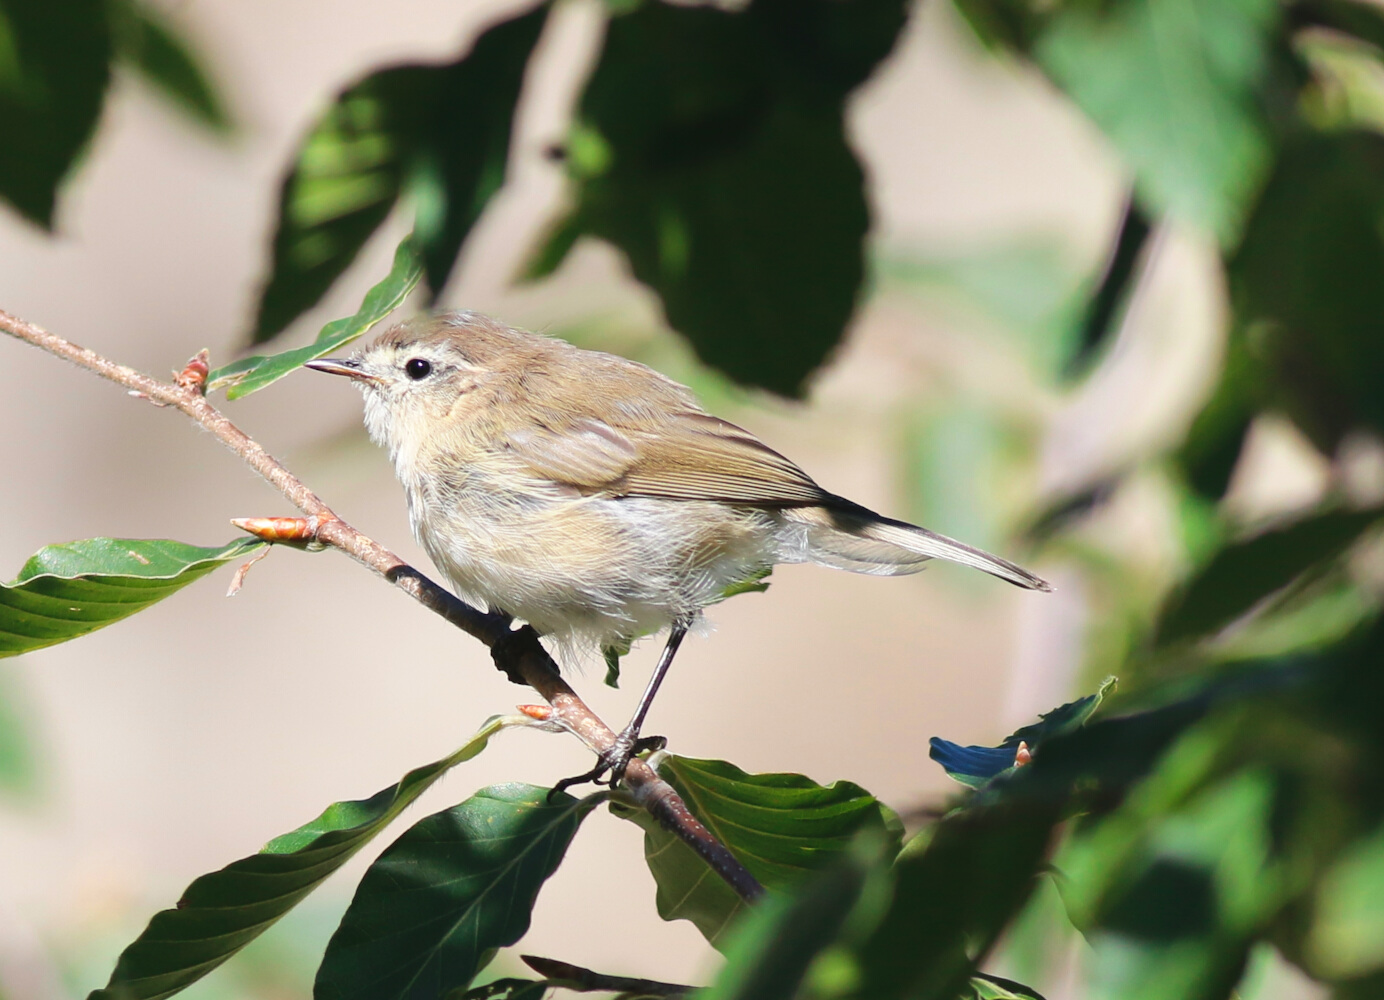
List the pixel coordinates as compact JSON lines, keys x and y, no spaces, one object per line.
{"x":615,"y":759}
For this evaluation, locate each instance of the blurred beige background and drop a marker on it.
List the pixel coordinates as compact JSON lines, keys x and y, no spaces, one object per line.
{"x":184,"y":738}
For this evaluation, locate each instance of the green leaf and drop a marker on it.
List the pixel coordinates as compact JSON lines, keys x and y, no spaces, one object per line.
{"x":773,"y":950}
{"x":252,"y":374}
{"x":440,"y":131}
{"x":223,"y":911}
{"x":148,"y":43}
{"x":1347,"y":936}
{"x":975,"y":766}
{"x":1243,"y":574}
{"x":65,"y":591}
{"x":1175,"y":85}
{"x":711,"y":150}
{"x":780,"y":826}
{"x":54,"y":67}
{"x":457,"y":885}
{"x":505,"y":989}
{"x":957,"y":885}
{"x":1306,"y":285}
{"x":984,"y":987}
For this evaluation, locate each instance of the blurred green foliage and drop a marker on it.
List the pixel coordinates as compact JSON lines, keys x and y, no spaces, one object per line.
{"x":1228,"y":804}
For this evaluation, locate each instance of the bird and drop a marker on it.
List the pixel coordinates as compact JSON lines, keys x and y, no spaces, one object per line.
{"x":594,"y":498}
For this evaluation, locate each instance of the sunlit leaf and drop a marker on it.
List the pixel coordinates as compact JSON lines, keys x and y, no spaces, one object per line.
{"x":454,"y":887}
{"x":440,"y":132}
{"x":225,"y":910}
{"x":1175,"y":87}
{"x":780,"y":827}
{"x":54,"y":67}
{"x":252,"y":374}
{"x":65,"y":591}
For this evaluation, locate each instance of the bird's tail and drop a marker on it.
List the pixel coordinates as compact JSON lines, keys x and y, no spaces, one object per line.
{"x":853,"y":538}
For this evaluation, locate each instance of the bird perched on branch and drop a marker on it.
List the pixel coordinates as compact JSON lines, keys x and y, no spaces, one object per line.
{"x":593,"y":497}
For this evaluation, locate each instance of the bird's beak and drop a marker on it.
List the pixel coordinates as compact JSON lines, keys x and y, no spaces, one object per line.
{"x":349,"y":367}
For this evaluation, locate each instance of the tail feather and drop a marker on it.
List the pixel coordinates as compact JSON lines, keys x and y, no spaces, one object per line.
{"x":861,"y":541}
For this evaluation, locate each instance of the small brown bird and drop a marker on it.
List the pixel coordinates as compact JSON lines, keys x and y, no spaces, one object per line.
{"x":594,"y":498}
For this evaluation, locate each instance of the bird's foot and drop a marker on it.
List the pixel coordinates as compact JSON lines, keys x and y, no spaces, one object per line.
{"x":616,"y":759}
{"x":508,"y":650}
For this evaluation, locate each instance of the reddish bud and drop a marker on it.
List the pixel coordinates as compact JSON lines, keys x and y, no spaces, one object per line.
{"x":540,"y":712}
{"x":194,"y":374}
{"x":1023,"y":755}
{"x":278,"y":529}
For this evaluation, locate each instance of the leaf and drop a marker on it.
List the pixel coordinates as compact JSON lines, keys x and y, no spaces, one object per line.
{"x":66,"y":591}
{"x":1174,"y":84}
{"x":985,"y":987}
{"x":1347,"y":935}
{"x":1243,"y":574}
{"x":148,"y":43}
{"x":458,"y":884}
{"x":780,"y":826}
{"x":441,"y":131}
{"x":1117,"y":284}
{"x":974,"y":766}
{"x":1306,"y":285}
{"x":957,"y":884}
{"x":54,"y":68}
{"x":223,"y":911}
{"x":773,"y":949}
{"x":711,"y":149}
{"x":504,"y":989}
{"x":252,"y":374}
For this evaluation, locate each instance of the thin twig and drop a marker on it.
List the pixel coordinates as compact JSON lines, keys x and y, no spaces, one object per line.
{"x":517,"y":652}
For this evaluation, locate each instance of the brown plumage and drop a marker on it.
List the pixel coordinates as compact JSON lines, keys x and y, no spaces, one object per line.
{"x":593,"y":497}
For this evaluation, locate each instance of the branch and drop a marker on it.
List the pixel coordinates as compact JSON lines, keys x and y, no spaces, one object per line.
{"x":517,"y":652}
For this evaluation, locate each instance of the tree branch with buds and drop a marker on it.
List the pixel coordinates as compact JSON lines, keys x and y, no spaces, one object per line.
{"x":518,"y":653}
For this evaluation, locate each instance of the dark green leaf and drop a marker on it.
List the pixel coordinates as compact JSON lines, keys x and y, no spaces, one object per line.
{"x":1245,"y":573}
{"x":577,"y":978}
{"x":773,"y":949}
{"x":504,"y":989}
{"x":974,"y":766}
{"x":957,"y":885}
{"x":461,"y":156}
{"x":1117,"y":284}
{"x":457,"y":885}
{"x":984,"y":987}
{"x":66,"y":591}
{"x":54,"y":67}
{"x":780,"y":827}
{"x":1307,"y":285}
{"x":1212,"y":448}
{"x":712,"y":151}
{"x":1175,"y":87}
{"x":441,"y":131}
{"x":1001,"y":23}
{"x":252,"y":374}
{"x":147,"y":42}
{"x":223,"y":911}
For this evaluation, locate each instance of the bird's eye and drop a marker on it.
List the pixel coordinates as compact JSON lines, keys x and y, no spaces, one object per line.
{"x":416,"y":368}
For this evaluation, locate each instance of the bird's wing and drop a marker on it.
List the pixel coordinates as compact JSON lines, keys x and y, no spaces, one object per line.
{"x":690,"y":456}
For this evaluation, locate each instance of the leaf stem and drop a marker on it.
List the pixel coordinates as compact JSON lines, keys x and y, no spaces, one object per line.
{"x":517,"y":652}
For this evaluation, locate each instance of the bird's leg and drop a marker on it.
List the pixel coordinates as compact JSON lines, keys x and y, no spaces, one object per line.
{"x":628,"y":743}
